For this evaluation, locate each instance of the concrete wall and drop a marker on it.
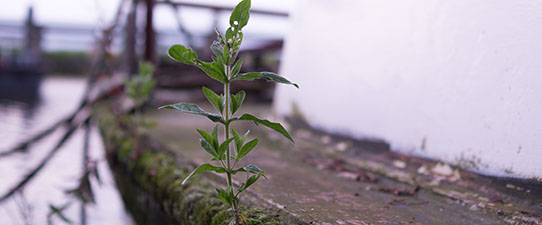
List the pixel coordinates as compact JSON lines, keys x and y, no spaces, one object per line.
{"x":459,"y":81}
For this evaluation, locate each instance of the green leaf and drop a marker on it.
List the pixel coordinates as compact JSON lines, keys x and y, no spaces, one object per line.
{"x":223,"y":147}
{"x":217,"y":60}
{"x":225,"y":196}
{"x":244,"y":138}
{"x":231,"y":32}
{"x":204,"y":168}
{"x":234,"y":39}
{"x":228,"y":59}
{"x":216,"y":100}
{"x":182,"y":54}
{"x":237,"y":100}
{"x":207,"y":137}
{"x":146,"y":68}
{"x":217,"y":48}
{"x":239,"y":141}
{"x":275,"y":126}
{"x":235,"y":134}
{"x":193,"y":109}
{"x":209,"y":148}
{"x":246,"y":149}
{"x":139,"y":87}
{"x":273,"y":77}
{"x":213,"y":70}
{"x":251,"y":180}
{"x":267,"y":76}
{"x":237,"y":67}
{"x":248,"y":76}
{"x":250,"y":168}
{"x":215,"y":134}
{"x":210,"y":141}
{"x":241,"y":13}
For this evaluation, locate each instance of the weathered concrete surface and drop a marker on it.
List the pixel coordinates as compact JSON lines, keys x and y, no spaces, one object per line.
{"x":328,"y":180}
{"x":148,"y":176}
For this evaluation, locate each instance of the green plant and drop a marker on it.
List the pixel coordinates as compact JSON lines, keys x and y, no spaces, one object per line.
{"x":139,"y":89}
{"x":225,"y":68}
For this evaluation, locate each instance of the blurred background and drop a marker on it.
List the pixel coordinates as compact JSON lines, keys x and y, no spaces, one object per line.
{"x":48,"y":49}
{"x":454,"y":81}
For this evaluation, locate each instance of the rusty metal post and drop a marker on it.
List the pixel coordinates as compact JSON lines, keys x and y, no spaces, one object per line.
{"x":150,"y":39}
{"x":32,"y":42}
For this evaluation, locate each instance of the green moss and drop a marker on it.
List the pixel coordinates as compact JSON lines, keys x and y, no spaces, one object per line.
{"x":206,"y":208}
{"x":221,"y":217}
{"x":125,"y":149}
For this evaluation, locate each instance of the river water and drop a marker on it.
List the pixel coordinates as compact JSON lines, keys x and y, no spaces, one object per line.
{"x":59,"y":96}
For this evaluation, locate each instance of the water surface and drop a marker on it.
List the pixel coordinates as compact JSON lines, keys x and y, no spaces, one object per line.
{"x":59,"y":96}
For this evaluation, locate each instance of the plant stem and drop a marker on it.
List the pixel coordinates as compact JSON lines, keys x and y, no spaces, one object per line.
{"x":227,"y":126}
{"x":227,"y":134}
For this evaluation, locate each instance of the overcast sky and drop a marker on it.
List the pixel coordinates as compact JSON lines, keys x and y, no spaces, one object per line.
{"x":99,"y":13}
{"x":94,"y":12}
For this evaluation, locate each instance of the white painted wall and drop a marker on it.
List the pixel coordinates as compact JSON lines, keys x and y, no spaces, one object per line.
{"x":465,"y":76}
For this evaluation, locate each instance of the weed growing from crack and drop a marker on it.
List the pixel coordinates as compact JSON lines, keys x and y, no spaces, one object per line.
{"x":227,"y":151}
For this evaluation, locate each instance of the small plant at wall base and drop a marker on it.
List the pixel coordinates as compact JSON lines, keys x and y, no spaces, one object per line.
{"x":139,"y":89}
{"x":227,"y":151}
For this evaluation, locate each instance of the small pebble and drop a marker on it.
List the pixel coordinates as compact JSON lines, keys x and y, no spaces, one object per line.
{"x":399,"y":164}
{"x":442,"y":169}
{"x":342,"y":146}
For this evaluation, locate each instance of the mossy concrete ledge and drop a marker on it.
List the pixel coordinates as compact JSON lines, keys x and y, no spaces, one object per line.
{"x":149,"y":179}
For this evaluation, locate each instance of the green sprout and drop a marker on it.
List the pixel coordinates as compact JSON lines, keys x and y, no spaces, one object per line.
{"x":139,"y":89}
